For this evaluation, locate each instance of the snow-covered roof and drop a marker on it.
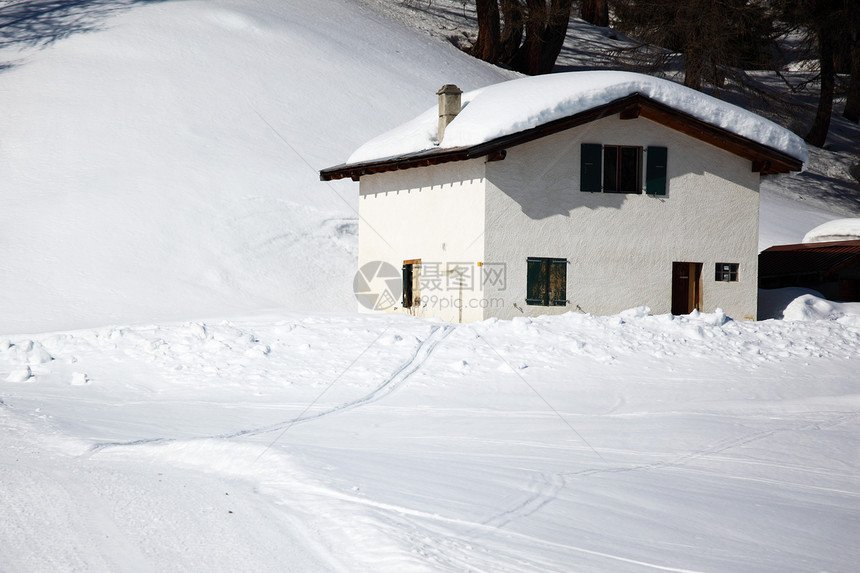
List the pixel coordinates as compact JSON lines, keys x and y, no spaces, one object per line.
{"x":514,"y":106}
{"x":836,"y":230}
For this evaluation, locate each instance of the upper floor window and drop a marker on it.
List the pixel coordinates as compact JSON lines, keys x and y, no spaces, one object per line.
{"x":622,"y":169}
{"x":618,"y":169}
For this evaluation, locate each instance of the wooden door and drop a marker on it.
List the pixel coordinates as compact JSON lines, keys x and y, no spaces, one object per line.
{"x":686,"y":287}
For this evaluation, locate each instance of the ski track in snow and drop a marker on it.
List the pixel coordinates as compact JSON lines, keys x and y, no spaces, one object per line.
{"x":722,"y":446}
{"x":389,"y":385}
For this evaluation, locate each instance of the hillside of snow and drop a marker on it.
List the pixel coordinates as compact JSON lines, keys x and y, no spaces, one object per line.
{"x":161,"y":158}
{"x":184,"y":385}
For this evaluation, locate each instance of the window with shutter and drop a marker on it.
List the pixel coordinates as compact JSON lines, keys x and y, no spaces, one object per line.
{"x":610,"y":168}
{"x":546,"y":281}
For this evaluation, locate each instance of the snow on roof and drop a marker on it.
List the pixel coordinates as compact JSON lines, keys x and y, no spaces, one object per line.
{"x":517,"y":105}
{"x":837,"y":230}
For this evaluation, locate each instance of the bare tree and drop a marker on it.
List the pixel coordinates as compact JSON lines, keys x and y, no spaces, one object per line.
{"x":817,"y":134}
{"x":529,"y":35}
{"x":826,"y":24}
{"x":715,"y":37}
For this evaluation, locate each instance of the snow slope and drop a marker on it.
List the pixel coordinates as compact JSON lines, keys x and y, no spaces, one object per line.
{"x":161,"y":161}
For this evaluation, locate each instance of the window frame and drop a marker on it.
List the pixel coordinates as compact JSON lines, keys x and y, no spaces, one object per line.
{"x":726,"y":272}
{"x":621,"y":169}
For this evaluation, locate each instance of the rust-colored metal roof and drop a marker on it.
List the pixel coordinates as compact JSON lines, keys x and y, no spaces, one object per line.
{"x":822,"y":258}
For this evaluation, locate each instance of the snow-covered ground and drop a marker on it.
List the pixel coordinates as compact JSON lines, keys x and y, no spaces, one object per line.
{"x":160,"y":168}
{"x":354,"y":443}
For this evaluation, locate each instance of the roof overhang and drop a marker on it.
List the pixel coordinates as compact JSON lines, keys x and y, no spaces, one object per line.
{"x":765,"y":160}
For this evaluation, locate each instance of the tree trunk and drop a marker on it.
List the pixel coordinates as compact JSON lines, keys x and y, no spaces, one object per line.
{"x":596,"y":12}
{"x":546,"y":29}
{"x":528,"y":58}
{"x":488,"y":45}
{"x":693,"y":44}
{"x":554,"y":33}
{"x":693,"y":67}
{"x":852,"y":101}
{"x":512,"y":32}
{"x":821,"y":125}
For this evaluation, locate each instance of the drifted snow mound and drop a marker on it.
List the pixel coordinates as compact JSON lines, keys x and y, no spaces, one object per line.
{"x":810,"y":307}
{"x":838,"y":230}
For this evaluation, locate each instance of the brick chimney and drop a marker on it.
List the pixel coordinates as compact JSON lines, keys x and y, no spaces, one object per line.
{"x":449,"y":106}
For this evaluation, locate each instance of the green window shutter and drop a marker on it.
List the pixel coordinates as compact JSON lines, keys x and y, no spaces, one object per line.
{"x":558,"y":282}
{"x":655,"y":171}
{"x":590,"y":169}
{"x":536,"y":282}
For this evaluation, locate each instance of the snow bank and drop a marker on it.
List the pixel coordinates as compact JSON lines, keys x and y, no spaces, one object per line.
{"x":516,"y":105}
{"x":810,"y":307}
{"x":837,"y":230}
{"x":796,"y":304}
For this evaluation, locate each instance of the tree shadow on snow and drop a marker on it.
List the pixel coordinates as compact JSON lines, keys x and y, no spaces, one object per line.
{"x":38,"y":23}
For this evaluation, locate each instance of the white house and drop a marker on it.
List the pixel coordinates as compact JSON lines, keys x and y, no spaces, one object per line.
{"x":584,"y":191}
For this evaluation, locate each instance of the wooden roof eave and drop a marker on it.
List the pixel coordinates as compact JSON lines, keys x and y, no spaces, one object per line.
{"x":421,"y":159}
{"x":765,"y":160}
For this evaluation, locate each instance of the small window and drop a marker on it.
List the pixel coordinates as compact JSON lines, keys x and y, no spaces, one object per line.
{"x":546,"y":282}
{"x":726,"y":272}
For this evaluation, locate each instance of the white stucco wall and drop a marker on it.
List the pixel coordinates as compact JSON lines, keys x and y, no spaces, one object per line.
{"x":621,"y":246}
{"x":435,"y":214}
